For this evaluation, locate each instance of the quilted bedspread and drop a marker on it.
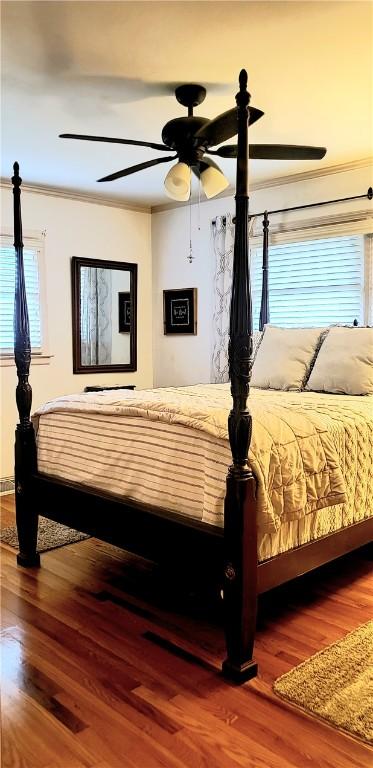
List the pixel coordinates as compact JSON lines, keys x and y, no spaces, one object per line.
{"x":304,"y":445}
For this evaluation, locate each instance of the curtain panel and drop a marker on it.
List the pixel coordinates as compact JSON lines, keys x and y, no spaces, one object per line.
{"x":95,"y":316}
{"x":223,"y":244}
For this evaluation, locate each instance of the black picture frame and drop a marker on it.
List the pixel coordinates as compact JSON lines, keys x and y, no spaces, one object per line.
{"x":124,"y":312}
{"x":180,"y":311}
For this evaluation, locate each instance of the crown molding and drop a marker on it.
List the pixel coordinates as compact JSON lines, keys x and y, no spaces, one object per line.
{"x":85,"y":197}
{"x":82,"y":197}
{"x":291,"y":178}
{"x":317,"y":173}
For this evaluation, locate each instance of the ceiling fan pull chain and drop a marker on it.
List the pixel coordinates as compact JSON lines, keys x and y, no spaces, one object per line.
{"x":199,"y":204}
{"x":190,"y":256}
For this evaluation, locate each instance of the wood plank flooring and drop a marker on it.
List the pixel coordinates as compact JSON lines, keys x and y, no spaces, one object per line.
{"x":107,"y":662}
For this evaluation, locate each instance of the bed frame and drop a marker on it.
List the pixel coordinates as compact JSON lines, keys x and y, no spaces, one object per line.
{"x":229,"y":553}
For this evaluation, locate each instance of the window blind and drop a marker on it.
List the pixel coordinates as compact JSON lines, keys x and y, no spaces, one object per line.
{"x":7,"y":283}
{"x":311,"y":283}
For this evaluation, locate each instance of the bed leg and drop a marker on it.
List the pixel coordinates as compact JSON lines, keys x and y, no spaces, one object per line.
{"x":240,"y":579}
{"x":26,"y":511}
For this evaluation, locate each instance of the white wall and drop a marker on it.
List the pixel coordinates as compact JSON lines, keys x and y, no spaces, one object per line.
{"x":186,"y":360}
{"x":181,"y":359}
{"x":75,"y":228}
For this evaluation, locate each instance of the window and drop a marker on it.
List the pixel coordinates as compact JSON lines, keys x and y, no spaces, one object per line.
{"x":369,"y":280}
{"x":31,"y":256}
{"x":313,"y":282}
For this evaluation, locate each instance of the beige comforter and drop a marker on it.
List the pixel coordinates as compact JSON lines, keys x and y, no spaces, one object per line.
{"x":299,"y":443}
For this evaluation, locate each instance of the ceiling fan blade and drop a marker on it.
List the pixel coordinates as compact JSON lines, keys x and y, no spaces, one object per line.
{"x":285,"y":152}
{"x":273,"y":152}
{"x":109,"y":140}
{"x":229,"y":150}
{"x":202,"y":165}
{"x":224,"y":126}
{"x":139,"y":167}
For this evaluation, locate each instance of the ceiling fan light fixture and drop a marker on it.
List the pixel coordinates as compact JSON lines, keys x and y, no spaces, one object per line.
{"x":213,"y":182}
{"x":177,"y":182}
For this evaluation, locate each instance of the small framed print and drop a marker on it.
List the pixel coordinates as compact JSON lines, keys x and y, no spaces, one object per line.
{"x":180,"y":311}
{"x":124,"y":307}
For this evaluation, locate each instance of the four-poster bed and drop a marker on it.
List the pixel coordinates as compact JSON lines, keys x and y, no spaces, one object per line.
{"x":228,"y":552}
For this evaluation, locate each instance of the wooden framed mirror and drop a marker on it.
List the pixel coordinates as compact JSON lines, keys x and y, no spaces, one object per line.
{"x":104,"y":307}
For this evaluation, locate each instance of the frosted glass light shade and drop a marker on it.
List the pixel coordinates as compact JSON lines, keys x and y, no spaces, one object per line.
{"x":177,"y":182}
{"x":213,"y":181}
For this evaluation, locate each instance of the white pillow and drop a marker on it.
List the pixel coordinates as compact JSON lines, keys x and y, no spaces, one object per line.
{"x":344,"y":364}
{"x":284,"y":357}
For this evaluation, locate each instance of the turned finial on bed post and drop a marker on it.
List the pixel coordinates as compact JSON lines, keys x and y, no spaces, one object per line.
{"x":240,"y":539}
{"x":240,"y":329}
{"x":264,"y":305}
{"x":25,"y":447}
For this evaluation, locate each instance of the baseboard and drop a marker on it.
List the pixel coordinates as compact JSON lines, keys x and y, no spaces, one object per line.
{"x":6,"y":485}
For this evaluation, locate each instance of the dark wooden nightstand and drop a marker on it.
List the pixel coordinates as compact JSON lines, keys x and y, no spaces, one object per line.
{"x":99,"y":388}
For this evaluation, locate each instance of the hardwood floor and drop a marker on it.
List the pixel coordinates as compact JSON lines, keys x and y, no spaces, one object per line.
{"x":108,"y":663}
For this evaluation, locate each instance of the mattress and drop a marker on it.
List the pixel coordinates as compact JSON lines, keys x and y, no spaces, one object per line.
{"x":171,"y":465}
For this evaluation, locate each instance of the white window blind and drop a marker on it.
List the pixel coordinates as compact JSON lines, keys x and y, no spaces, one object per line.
{"x":311,"y":283}
{"x":7,"y":284}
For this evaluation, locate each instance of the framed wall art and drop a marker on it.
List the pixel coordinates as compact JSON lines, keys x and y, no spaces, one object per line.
{"x":180,"y":311}
{"x":124,"y":307}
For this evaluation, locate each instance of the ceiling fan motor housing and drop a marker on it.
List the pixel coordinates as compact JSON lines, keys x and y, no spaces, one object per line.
{"x":179,"y":134}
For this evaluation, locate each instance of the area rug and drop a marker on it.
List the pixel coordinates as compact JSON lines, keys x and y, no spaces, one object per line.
{"x":336,"y":684}
{"x":51,"y":535}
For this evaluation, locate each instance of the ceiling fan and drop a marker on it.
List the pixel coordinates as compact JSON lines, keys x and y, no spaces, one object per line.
{"x":192,"y":137}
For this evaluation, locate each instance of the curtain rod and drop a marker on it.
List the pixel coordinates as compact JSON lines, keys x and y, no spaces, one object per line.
{"x":368,"y":194}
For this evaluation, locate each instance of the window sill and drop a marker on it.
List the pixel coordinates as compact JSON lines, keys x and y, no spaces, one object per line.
{"x":8,"y":360}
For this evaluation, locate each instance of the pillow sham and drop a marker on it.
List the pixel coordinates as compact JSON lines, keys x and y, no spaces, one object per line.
{"x":344,"y":364}
{"x":284,"y":357}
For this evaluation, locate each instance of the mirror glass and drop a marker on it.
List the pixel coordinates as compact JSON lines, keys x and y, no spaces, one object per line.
{"x":104,"y":314}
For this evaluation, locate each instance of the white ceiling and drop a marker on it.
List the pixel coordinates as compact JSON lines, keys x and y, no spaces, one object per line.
{"x":109,"y":68}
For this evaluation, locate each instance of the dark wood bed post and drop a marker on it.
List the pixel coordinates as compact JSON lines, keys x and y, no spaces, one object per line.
{"x":25,"y":445}
{"x":264,"y":306}
{"x":240,"y":534}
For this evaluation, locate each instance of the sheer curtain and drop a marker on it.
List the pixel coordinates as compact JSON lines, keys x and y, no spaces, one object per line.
{"x":223,"y":246}
{"x":223,"y":243}
{"x":95,"y":316}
